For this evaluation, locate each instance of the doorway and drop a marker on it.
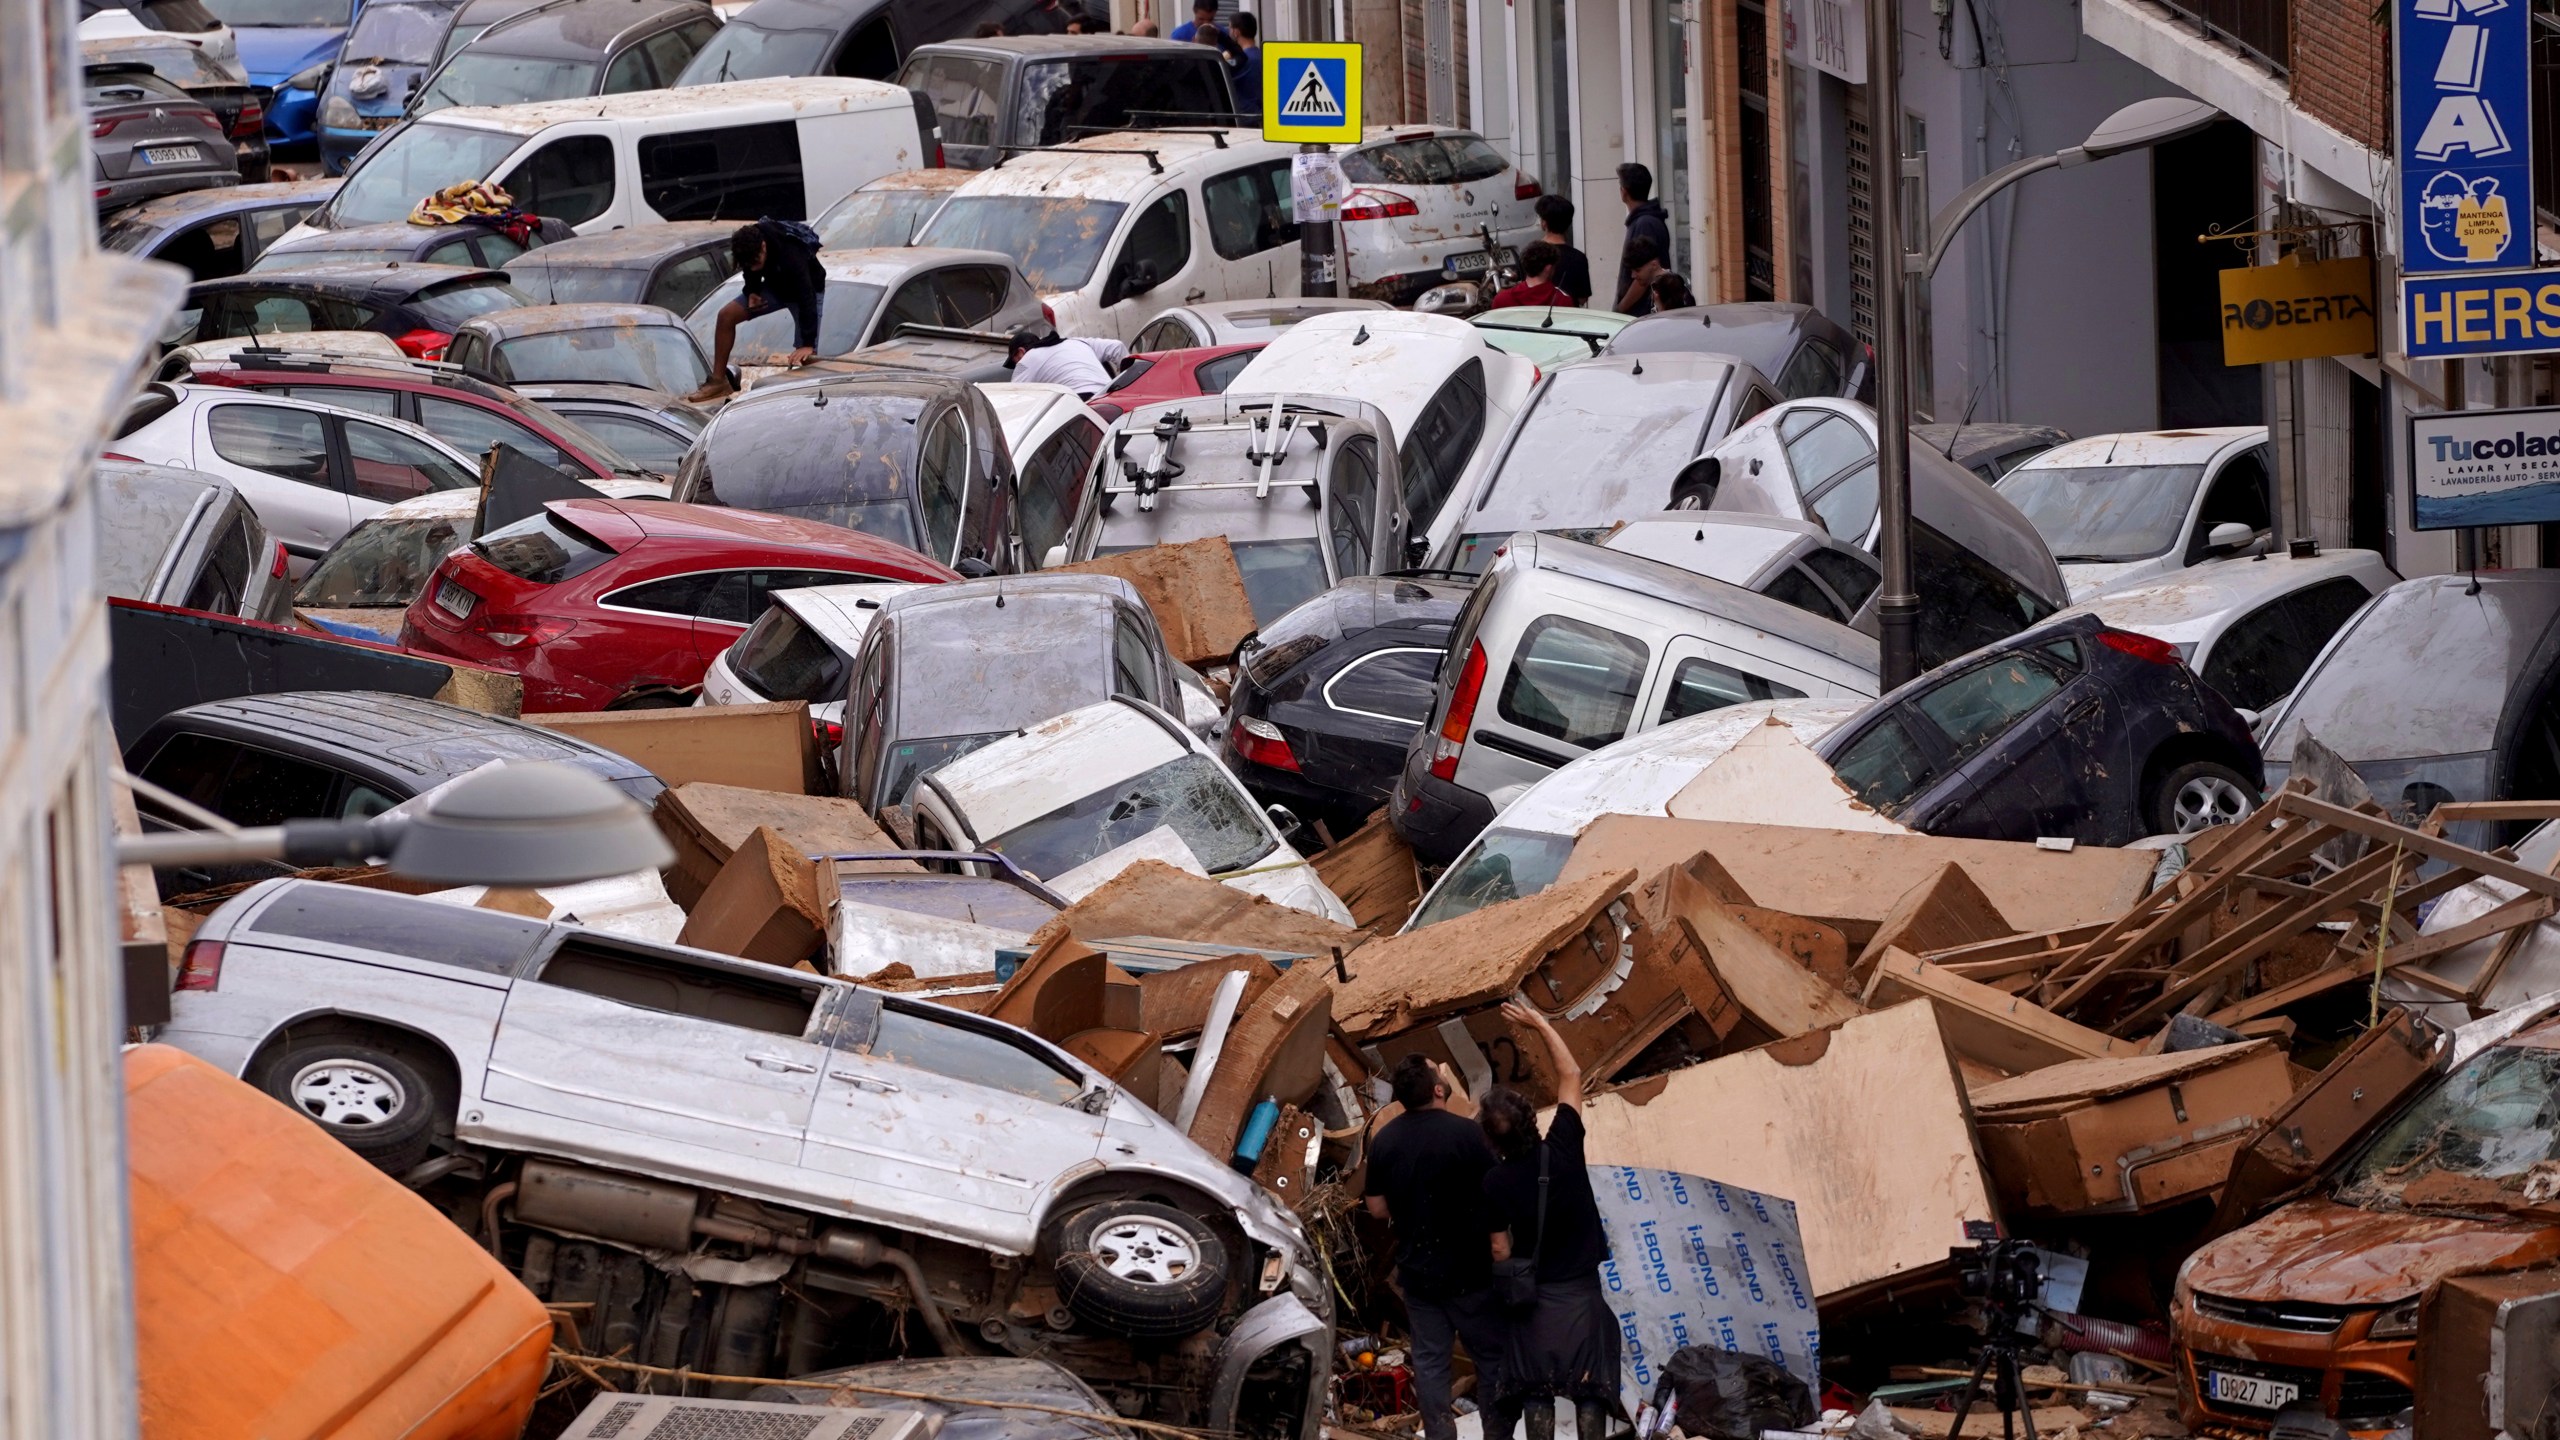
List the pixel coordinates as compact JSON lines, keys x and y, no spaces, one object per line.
{"x":2204,"y":182}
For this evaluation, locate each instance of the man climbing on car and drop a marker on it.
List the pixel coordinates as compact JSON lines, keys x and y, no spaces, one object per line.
{"x":778,"y":269}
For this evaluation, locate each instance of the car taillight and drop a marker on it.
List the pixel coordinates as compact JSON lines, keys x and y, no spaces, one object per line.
{"x":201,"y":967}
{"x":1259,"y":742}
{"x":1048,"y":314}
{"x":936,"y":162}
{"x":1462,"y":713}
{"x":282,"y":565}
{"x":423,"y":344}
{"x":107,"y":125}
{"x":209,"y":120}
{"x":515,"y":632}
{"x":1526,"y":188}
{"x":829,"y":733}
{"x":2140,"y":647}
{"x":1377,"y":205}
{"x":251,"y":119}
{"x":128,"y":459}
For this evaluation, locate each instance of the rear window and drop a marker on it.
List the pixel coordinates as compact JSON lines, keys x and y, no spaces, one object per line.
{"x":1574,"y":682}
{"x":964,"y":96}
{"x":1057,"y":240}
{"x":449,"y":304}
{"x":752,"y":52}
{"x":379,"y":563}
{"x":1062,"y":100}
{"x":544,"y":549}
{"x":474,"y":939}
{"x":786,"y":660}
{"x":851,"y":464}
{"x":880,"y":217}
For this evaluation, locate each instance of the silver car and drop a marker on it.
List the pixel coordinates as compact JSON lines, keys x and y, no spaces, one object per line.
{"x":820,"y":1156}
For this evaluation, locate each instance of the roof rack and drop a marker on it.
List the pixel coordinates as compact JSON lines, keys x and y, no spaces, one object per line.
{"x":1007,"y":152}
{"x":1216,"y":130}
{"x":260,"y":357}
{"x":1158,"y":471}
{"x":947,"y":332}
{"x":1224,"y":120}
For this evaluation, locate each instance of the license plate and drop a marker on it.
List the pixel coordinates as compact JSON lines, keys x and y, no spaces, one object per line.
{"x":169,"y":154}
{"x":455,"y":601}
{"x":1472,"y":261}
{"x":378,"y":122}
{"x":2251,"y":1391}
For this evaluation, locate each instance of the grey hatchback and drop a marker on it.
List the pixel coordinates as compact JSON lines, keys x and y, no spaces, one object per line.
{"x":149,"y":138}
{"x":1805,"y":351}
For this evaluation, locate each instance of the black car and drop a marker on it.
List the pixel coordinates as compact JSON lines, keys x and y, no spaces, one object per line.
{"x":148,"y":138}
{"x":671,"y":265}
{"x":2068,"y":730}
{"x":1327,"y":697}
{"x":567,"y":49}
{"x":214,"y":233}
{"x":1989,"y":449}
{"x":1805,"y":351}
{"x":917,"y":460}
{"x":418,"y":306}
{"x":864,"y":39}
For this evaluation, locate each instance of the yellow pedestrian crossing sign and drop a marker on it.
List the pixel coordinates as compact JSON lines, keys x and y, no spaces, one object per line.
{"x":1311,"y":92}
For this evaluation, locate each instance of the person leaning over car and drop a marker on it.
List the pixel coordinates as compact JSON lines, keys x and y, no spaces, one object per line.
{"x":1426,"y":1179}
{"x":1041,"y":356}
{"x":1538,"y":261}
{"x":778,"y":269}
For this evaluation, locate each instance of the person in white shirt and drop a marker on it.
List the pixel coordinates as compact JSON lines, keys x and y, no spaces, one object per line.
{"x":1044,"y":357}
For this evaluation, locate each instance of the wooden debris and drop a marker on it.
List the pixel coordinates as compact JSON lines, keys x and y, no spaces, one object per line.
{"x":1373,"y":872}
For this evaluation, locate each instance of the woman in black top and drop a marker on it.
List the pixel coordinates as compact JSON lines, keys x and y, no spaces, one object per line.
{"x":1566,"y":1346}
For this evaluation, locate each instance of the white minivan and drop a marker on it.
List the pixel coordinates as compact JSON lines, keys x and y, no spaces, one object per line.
{"x":787,"y":148}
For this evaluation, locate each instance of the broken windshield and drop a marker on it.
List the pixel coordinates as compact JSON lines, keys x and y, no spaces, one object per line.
{"x":2487,"y":1137}
{"x":1189,"y":793}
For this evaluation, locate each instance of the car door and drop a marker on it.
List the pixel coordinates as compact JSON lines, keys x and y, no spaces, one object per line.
{"x":681,"y":283}
{"x":731,"y":600}
{"x":2027,"y":747}
{"x":609,"y":1048}
{"x":2241,"y":490}
{"x":1157,"y":264}
{"x":1698,"y":675}
{"x":950,"y":1124}
{"x":1572,"y":684}
{"x":1252,"y":230}
{"x":1364,"y":527}
{"x":1835,"y":472}
{"x":1378,"y":701}
{"x":1052,"y":486}
{"x":384,"y":467}
{"x":279,"y":456}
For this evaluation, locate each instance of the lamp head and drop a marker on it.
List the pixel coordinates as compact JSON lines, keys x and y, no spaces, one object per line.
{"x":532,"y":824}
{"x":2146,"y":123}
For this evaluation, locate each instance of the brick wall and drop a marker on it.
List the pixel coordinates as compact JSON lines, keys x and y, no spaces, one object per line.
{"x":2342,"y":67}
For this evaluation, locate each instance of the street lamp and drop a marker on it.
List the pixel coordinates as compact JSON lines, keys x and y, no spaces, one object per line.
{"x":2138,"y":126}
{"x":534,"y":824}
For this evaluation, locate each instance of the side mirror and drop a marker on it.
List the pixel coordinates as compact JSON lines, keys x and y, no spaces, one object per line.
{"x":1135,"y":277}
{"x":1417,"y":551}
{"x":1053,"y":557}
{"x":1694,"y":488}
{"x":974,"y":567}
{"x":1284,"y":820}
{"x":2229,"y":535}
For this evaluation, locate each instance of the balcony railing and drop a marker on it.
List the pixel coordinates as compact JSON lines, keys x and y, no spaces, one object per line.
{"x":2260,"y":29}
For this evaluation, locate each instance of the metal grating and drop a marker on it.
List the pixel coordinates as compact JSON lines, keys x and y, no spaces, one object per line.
{"x":1862,"y":217}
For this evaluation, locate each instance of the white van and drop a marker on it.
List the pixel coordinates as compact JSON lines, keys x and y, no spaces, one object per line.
{"x":1113,"y":229}
{"x":787,"y":148}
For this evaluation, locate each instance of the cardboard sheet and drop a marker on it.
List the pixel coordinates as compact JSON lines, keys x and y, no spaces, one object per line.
{"x":1195,"y":590}
{"x":1152,"y":898}
{"x":763,"y":747}
{"x":1471,"y":961}
{"x":1694,"y":1262}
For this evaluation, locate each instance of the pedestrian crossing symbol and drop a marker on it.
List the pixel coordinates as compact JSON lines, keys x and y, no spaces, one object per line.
{"x":1311,"y":92}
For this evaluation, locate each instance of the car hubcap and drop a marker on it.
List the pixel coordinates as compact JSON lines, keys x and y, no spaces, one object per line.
{"x":1688,"y":501}
{"x":348,"y":1093}
{"x":2207,"y":801}
{"x":1146,"y":1252}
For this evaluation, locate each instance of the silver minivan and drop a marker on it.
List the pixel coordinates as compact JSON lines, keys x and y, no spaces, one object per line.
{"x":1566,"y":647}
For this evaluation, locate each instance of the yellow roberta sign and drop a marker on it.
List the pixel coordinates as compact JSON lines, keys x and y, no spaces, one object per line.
{"x":1311,"y":93}
{"x":2297,"y":310}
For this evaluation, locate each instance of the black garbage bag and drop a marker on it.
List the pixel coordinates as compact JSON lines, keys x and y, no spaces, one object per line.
{"x":1731,"y":1396}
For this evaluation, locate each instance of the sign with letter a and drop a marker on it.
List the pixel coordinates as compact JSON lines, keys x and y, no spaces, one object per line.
{"x":2465,"y":135}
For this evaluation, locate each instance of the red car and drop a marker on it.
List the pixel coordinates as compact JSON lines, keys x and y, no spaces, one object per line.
{"x":468,"y":414}
{"x":620,"y":604}
{"x":1173,"y":375}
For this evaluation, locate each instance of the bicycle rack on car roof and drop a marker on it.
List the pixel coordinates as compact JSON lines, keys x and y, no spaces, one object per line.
{"x":1159,"y":469}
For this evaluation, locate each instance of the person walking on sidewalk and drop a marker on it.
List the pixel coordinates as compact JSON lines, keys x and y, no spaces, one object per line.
{"x":1426,"y":1179}
{"x":778,"y":269}
{"x":1646,"y":220}
{"x":1566,"y":1346}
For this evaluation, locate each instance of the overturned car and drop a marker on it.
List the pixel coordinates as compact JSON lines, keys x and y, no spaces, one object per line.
{"x":739,"y":1169}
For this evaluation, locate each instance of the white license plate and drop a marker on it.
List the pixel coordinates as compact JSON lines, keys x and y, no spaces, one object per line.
{"x":2251,"y":1391}
{"x":1474,"y":260}
{"x":169,"y":154}
{"x":455,"y":601}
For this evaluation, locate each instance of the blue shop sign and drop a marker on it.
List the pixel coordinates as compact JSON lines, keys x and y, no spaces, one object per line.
{"x":2465,"y":136}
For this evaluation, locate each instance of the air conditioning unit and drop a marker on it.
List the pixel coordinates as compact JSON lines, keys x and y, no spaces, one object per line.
{"x":670,"y":1417}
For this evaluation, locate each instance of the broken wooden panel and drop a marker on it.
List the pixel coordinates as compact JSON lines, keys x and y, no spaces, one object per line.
{"x":2130,"y":1134}
{"x":766,"y":746}
{"x":1288,"y":1165}
{"x":1992,"y":1026}
{"x":2486,"y":1368}
{"x":1944,"y":911}
{"x":1473,"y":960}
{"x":1862,"y":1125}
{"x":1817,"y":947}
{"x":2367,"y":1082}
{"x":1851,"y":880}
{"x":1153,"y":898}
{"x":1175,"y":1003}
{"x":1748,"y":989}
{"x":1275,"y":1048}
{"x":706,"y":822}
{"x":1065,"y":988}
{"x":1372,"y":872}
{"x":1195,"y":590}
{"x":768,"y":903}
{"x":1610,"y":990}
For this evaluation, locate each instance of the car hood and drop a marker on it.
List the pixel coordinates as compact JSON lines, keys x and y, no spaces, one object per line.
{"x":2088,"y":578}
{"x":270,"y":53}
{"x":2323,"y":1253}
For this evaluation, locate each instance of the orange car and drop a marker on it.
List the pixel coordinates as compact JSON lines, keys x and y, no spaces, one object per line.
{"x":2315,"y":1306}
{"x":284,"y":1288}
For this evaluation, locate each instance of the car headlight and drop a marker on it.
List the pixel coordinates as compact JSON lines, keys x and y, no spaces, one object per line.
{"x":339,"y":113}
{"x":311,"y":79}
{"x":2400,"y":1322}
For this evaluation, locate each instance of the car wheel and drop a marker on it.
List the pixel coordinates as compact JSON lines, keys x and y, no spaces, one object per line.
{"x":368,"y":1098}
{"x":2198,"y":796}
{"x":1693,"y":497}
{"x":1138,"y":1269}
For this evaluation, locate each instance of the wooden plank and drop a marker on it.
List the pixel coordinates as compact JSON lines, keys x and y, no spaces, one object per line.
{"x":2178,"y":900}
{"x":1984,"y":1023}
{"x":1944,"y":910}
{"x":2498,"y":958}
{"x":2019,"y":955}
{"x":2455,"y":812}
{"x":1372,"y":871}
{"x":2433,"y":847}
{"x":2283,"y":848}
{"x":2261,"y":932}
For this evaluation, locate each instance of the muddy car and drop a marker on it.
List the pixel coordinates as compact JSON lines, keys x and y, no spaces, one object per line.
{"x":749,"y":1170}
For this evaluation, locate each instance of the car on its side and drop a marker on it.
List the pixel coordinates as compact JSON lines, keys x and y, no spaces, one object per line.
{"x":2072,"y":729}
{"x":1305,"y":490}
{"x":1174,"y":375}
{"x":1053,"y":437}
{"x":2118,"y":509}
{"x":218,"y":84}
{"x":472,"y":245}
{"x":891,"y":210}
{"x":1075,"y":799}
{"x":1805,"y":351}
{"x":1549,"y":335}
{"x":1424,"y":202}
{"x":801,"y":648}
{"x":918,"y":1157}
{"x":1791,"y":560}
{"x":671,"y":266}
{"x":947,"y":669}
{"x":1989,"y":450}
{"x":1328,"y":696}
{"x":2249,"y":626}
{"x":148,"y":138}
{"x":213,"y":233}
{"x":418,"y":306}
{"x":388,"y":53}
{"x":871,"y":293}
{"x":186,"y":538}
{"x":639,"y":346}
{"x":310,"y":470}
{"x":1448,"y":394}
{"x":565,"y":49}
{"x":1595,"y":445}
{"x":919,"y":461}
{"x":1235,"y":322}
{"x":621,"y":604}
{"x":998,"y":94}
{"x":1564,"y":648}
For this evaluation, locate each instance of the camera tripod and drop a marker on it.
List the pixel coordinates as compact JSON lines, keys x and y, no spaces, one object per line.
{"x":2008,"y":1390}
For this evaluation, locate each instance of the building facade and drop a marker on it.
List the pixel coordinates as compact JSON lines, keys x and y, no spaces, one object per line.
{"x":76,"y":327}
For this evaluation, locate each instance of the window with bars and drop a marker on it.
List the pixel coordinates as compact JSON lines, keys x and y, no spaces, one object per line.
{"x":1862,"y":216}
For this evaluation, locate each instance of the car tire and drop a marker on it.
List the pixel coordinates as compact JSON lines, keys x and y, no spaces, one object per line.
{"x":1139,"y":1270}
{"x":1693,"y":497}
{"x":2197,"y":796}
{"x":368,"y":1097}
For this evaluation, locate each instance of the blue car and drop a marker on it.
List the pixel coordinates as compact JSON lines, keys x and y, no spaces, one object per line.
{"x":288,"y":46}
{"x":388,"y":54}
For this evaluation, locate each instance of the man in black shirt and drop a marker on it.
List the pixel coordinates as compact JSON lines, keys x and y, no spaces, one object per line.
{"x":1646,"y":220}
{"x":778,"y":269}
{"x":1426,"y":1178}
{"x":1555,"y":226}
